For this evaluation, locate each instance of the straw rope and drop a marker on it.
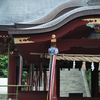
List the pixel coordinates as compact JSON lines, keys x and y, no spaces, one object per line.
{"x":90,"y":58}
{"x":72,"y":57}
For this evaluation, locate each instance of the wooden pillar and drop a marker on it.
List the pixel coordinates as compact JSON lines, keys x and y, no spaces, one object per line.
{"x":36,"y":86}
{"x":45,"y":79}
{"x":20,"y":70}
{"x":12,"y":74}
{"x":40,"y":74}
{"x":94,"y":81}
{"x":31,"y":76}
{"x":58,"y":81}
{"x":28,"y":81}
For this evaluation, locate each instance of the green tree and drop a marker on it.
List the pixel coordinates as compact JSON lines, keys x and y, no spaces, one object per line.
{"x":88,"y":76}
{"x":3,"y":66}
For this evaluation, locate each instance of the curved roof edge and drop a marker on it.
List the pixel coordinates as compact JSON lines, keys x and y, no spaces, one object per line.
{"x":58,"y":22}
{"x":56,"y":16}
{"x":50,"y":15}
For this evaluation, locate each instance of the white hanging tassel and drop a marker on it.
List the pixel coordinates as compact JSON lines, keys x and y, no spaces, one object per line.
{"x":74,"y":64}
{"x":99,"y":66}
{"x":92,"y":66}
{"x":83,"y":66}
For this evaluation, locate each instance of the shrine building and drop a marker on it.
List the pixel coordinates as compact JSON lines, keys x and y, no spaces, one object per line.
{"x":69,"y":32}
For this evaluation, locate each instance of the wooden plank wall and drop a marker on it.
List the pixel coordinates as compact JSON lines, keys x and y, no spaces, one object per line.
{"x":32,"y":95}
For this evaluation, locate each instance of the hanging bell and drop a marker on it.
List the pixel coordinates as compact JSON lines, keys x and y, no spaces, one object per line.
{"x":83,"y":66}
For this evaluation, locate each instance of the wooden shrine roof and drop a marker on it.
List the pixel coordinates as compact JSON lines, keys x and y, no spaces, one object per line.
{"x":19,"y":19}
{"x":24,"y":12}
{"x":65,"y":22}
{"x":54,"y":24}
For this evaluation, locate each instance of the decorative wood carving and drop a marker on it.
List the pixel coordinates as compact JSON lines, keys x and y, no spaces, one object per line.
{"x":22,"y":40}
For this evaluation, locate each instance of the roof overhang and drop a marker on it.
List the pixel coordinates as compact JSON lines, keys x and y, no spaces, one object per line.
{"x":68,"y":26}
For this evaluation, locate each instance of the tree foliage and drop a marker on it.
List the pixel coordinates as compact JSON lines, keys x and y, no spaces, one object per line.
{"x":88,"y":76}
{"x":3,"y":66}
{"x":24,"y":77}
{"x":4,"y":69}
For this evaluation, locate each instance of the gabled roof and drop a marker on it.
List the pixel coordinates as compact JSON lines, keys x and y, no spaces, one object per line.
{"x":58,"y":22}
{"x":15,"y":11}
